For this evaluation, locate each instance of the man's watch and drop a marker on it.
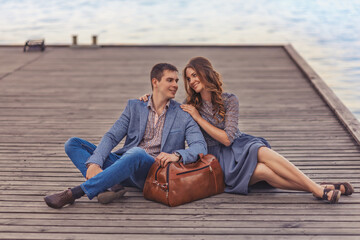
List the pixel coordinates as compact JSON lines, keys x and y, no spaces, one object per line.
{"x":178,"y":155}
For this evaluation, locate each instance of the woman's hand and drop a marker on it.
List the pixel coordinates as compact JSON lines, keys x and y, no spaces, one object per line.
{"x":191,"y":110}
{"x":144,"y":98}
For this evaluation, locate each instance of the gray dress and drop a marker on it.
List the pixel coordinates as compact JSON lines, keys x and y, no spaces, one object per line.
{"x":238,"y":161}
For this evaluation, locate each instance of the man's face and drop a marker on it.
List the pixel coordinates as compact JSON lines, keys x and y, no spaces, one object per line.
{"x":168,"y":85}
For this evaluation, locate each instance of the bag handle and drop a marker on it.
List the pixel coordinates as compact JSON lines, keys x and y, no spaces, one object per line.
{"x":201,"y":157}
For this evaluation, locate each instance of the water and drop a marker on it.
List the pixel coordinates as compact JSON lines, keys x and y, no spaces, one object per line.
{"x":326,"y":33}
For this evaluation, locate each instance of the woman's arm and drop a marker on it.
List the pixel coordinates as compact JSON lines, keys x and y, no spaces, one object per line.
{"x":216,"y":133}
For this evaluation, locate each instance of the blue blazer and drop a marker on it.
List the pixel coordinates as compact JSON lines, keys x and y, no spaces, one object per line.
{"x":179,"y":127}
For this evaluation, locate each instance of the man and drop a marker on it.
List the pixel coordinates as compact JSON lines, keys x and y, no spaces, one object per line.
{"x":155,"y":131}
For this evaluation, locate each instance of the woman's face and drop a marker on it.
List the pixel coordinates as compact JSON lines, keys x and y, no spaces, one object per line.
{"x":194,"y":81}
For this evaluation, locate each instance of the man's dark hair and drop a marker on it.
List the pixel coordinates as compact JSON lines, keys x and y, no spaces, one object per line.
{"x":158,"y":71}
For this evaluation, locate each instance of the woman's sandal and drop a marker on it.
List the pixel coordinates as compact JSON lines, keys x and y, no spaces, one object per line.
{"x":349,"y":189}
{"x":334,"y":198}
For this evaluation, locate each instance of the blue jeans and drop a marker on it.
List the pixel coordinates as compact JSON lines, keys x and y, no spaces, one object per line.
{"x":129,"y":169}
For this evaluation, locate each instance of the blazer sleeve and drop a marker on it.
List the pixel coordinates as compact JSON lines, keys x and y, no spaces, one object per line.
{"x":112,"y":138}
{"x":195,"y":141}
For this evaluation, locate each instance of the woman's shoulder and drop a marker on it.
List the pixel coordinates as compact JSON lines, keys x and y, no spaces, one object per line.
{"x":229,"y":98}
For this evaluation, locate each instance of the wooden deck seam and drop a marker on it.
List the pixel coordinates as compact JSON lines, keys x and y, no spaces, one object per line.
{"x":343,"y":114}
{"x":22,"y":66}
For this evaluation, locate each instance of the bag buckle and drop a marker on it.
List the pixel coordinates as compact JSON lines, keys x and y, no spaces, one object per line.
{"x":163,"y":187}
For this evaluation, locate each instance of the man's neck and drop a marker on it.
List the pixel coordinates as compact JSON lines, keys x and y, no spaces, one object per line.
{"x":159,"y":103}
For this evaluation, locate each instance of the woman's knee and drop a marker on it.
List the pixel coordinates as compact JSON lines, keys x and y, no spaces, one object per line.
{"x":263,"y":154}
{"x":262,"y":171}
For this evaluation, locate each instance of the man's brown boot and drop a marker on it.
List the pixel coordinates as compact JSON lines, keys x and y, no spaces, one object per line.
{"x":58,"y":200}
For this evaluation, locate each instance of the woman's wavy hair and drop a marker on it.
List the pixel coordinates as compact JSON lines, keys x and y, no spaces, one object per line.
{"x":212,"y":82}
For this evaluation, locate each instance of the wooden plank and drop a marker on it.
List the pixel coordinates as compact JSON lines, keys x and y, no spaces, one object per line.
{"x":126,"y":203}
{"x":95,"y":236}
{"x":175,"y":223}
{"x":180,"y":230}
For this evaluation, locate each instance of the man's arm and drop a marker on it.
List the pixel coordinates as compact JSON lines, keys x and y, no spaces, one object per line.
{"x":165,"y":158}
{"x":112,"y":138}
{"x":195,"y":141}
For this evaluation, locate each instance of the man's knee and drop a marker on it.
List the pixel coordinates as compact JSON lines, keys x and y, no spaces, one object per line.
{"x":136,"y":150}
{"x":138,"y":158}
{"x":71,"y":143}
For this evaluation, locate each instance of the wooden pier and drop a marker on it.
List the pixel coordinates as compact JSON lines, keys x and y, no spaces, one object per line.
{"x":48,"y":97}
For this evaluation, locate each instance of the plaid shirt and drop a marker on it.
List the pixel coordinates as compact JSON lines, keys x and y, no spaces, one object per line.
{"x":151,"y":141}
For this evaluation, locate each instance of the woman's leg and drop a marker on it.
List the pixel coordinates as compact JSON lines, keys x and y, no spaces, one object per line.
{"x":263,"y":173}
{"x":286,"y":170}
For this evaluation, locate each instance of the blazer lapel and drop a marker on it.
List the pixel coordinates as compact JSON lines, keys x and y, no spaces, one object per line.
{"x":169,"y":120}
{"x":144,"y":113}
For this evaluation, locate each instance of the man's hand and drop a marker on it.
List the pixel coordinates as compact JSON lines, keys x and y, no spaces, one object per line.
{"x":93,"y":169}
{"x":165,"y":158}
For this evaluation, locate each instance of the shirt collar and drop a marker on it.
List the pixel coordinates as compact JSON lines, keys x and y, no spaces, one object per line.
{"x":150,"y":104}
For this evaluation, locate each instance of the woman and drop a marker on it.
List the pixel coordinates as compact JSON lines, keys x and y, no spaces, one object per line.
{"x":245,"y":159}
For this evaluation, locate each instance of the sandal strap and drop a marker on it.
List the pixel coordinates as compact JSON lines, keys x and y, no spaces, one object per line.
{"x":337,"y":185}
{"x":325,"y":194}
{"x":334,"y":196}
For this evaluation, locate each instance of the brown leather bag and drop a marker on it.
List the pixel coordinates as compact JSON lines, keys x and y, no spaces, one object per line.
{"x":177,"y":183}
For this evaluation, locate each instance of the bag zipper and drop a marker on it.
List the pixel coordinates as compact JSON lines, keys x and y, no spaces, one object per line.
{"x":196,"y":170}
{"x":164,"y":187}
{"x":157,"y":173}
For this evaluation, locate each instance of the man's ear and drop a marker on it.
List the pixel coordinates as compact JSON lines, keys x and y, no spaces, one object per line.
{"x":154,"y":82}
